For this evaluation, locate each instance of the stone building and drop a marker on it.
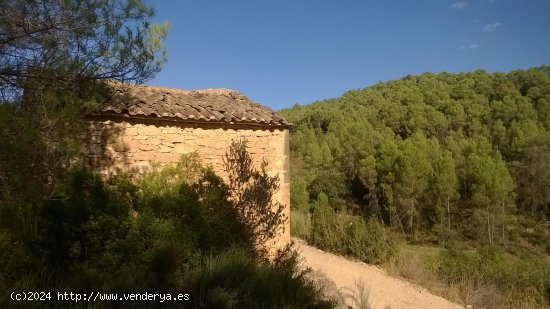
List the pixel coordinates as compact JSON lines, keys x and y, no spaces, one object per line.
{"x":142,"y":126}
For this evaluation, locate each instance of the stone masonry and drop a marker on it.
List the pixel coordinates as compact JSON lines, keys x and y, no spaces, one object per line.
{"x":135,"y":143}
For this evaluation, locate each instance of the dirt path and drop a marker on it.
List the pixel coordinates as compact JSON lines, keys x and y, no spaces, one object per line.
{"x":384,"y":291}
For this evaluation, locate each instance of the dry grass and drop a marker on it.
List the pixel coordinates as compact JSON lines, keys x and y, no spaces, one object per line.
{"x":357,"y":298}
{"x":419,"y":265}
{"x":300,"y":224}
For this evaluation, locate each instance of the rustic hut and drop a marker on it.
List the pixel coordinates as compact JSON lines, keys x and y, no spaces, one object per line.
{"x":141,"y":126}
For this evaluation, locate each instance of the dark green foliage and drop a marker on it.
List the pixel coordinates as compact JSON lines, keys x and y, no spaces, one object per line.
{"x":55,"y":56}
{"x":489,"y":266}
{"x":432,"y":155}
{"x":84,"y":203}
{"x":332,"y":183}
{"x":56,"y":41}
{"x":350,"y":235}
{"x":150,"y":235}
{"x":440,"y":159}
{"x":118,"y":235}
{"x":234,"y":280}
{"x":208,"y":213}
{"x":299,"y":199}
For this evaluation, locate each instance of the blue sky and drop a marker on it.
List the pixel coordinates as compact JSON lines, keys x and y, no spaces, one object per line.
{"x":282,"y":52}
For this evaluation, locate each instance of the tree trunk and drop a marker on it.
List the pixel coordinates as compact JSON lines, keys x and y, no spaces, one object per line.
{"x":489,"y":231}
{"x":448,"y":214}
{"x":411,"y":217}
{"x":502,"y":222}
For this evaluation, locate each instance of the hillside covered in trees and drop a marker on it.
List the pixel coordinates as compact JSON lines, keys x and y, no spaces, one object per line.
{"x":435,"y":157}
{"x":443,"y":179}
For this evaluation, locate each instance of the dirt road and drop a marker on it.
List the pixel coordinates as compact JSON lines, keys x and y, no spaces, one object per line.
{"x":384,"y":291}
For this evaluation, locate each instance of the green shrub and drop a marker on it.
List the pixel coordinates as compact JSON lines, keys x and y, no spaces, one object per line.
{"x":5,"y":260}
{"x":300,"y":224}
{"x":123,"y":235}
{"x":76,"y":224}
{"x":154,"y":234}
{"x":235,"y":280}
{"x":351,"y":235}
{"x":515,"y":279}
{"x":299,"y":199}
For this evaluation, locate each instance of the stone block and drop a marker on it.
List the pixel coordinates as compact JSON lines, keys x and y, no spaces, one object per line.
{"x":146,"y":147}
{"x":164,"y":157}
{"x":145,"y":156}
{"x":182,"y":148}
{"x":141,"y":137}
{"x":167,"y":144}
{"x":149,"y":130}
{"x":131,"y":145}
{"x":153,"y":141}
{"x":171,"y":129}
{"x":209,"y":143}
{"x":200,"y":132}
{"x":119,"y":146}
{"x":261,"y":145}
{"x":174,"y":138}
{"x":131,"y":131}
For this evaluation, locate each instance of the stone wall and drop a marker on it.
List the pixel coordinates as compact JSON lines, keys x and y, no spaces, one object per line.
{"x":136,"y":145}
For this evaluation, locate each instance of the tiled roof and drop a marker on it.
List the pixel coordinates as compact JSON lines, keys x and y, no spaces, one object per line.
{"x":206,"y":105}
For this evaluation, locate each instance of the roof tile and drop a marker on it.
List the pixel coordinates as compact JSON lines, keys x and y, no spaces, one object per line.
{"x":208,"y":105}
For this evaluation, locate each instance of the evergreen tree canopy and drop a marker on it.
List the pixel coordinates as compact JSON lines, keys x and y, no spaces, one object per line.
{"x":52,"y":53}
{"x":464,"y":152}
{"x":61,"y":40}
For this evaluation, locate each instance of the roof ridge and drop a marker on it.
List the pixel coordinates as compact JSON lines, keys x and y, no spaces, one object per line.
{"x":127,"y":86}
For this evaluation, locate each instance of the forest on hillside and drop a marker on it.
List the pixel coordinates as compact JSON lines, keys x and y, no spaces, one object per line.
{"x":435,"y":156}
{"x":441,"y":178}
